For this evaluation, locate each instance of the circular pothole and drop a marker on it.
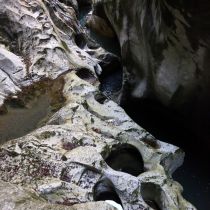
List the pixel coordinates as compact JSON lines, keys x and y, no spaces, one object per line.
{"x":126,"y":158}
{"x":151,"y":194}
{"x":105,"y":190}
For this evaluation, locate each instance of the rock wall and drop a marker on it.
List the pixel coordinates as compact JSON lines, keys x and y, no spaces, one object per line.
{"x":165,"y":48}
{"x":66,"y":160}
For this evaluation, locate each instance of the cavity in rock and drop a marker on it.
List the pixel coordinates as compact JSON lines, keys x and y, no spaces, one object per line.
{"x":105,"y":190}
{"x":126,"y":158}
{"x":151,"y":195}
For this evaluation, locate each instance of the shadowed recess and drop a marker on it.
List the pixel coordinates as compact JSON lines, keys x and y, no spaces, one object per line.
{"x":105,"y":190}
{"x":111,"y":77}
{"x":126,"y":158}
{"x":151,"y":194}
{"x":86,"y":75}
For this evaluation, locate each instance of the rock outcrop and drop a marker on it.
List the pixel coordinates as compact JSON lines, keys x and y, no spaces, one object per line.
{"x":58,"y":165}
{"x":165,"y":48}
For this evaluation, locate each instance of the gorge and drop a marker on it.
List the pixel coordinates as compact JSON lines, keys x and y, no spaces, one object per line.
{"x":96,"y":100}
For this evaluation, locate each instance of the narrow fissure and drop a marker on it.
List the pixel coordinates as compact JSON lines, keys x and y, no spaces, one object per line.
{"x":111,"y":77}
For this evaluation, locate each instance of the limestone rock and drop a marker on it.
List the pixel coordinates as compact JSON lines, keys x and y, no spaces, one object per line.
{"x":63,"y":160}
{"x":48,"y":51}
{"x":24,"y":199}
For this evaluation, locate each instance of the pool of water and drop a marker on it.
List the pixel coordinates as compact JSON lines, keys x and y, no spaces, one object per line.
{"x":19,"y":121}
{"x":109,"y":44}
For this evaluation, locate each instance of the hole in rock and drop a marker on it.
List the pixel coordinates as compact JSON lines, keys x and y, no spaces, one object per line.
{"x":105,"y":190}
{"x":151,"y":194}
{"x":100,"y":98}
{"x":112,"y":76}
{"x":80,"y":40}
{"x":126,"y":158}
{"x":30,"y":110}
{"x":86,"y":75}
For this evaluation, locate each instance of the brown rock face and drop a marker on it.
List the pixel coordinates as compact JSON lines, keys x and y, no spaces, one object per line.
{"x":100,"y":26}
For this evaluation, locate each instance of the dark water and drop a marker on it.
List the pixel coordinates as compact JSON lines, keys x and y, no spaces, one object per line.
{"x":18,"y":121}
{"x":194,"y":174}
{"x":112,"y":82}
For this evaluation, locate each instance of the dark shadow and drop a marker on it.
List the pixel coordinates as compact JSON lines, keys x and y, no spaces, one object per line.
{"x":111,"y":77}
{"x":126,"y":158}
{"x":105,"y":190}
{"x":151,"y":194}
{"x":86,"y":75}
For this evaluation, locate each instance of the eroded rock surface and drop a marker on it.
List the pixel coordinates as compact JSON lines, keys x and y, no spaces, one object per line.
{"x":165,"y":48}
{"x":25,"y":199}
{"x":63,"y":160}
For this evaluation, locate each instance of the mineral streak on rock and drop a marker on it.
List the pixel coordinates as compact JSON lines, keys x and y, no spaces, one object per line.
{"x":58,"y":165}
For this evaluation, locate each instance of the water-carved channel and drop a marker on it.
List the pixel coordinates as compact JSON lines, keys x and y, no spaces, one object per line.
{"x":167,"y":126}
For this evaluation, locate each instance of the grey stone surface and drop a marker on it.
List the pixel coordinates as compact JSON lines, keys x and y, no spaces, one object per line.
{"x":18,"y":198}
{"x":60,"y":162}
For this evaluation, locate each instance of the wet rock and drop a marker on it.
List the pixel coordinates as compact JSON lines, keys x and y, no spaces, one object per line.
{"x":48,"y":51}
{"x":64,"y":162}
